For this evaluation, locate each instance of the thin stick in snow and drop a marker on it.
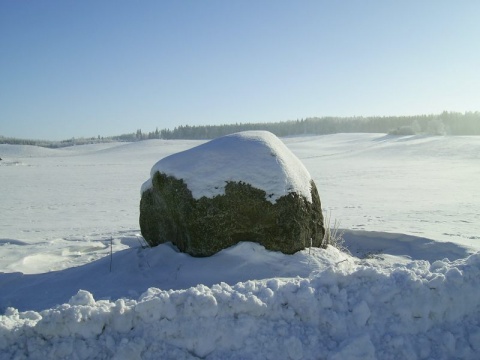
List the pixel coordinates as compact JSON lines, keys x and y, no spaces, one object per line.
{"x":111,"y":253}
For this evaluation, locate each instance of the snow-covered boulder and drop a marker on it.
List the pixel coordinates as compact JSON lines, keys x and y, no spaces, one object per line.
{"x":246,"y":186}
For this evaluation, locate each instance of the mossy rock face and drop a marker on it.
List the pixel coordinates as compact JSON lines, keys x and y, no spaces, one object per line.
{"x":204,"y":226}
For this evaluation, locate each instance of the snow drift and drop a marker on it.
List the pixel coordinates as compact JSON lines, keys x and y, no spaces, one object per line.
{"x":348,"y":310}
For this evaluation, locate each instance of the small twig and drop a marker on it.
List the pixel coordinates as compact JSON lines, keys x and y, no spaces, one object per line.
{"x":111,"y":253}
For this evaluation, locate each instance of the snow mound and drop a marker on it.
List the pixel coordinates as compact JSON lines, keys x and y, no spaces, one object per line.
{"x":258,"y":158}
{"x":345,"y":311}
{"x":16,"y":151}
{"x":129,"y":272}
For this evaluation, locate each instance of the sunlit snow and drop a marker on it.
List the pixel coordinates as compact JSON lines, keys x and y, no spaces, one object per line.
{"x":408,"y":290}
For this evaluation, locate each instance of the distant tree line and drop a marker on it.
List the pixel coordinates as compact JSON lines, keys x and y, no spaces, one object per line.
{"x":55,"y":144}
{"x":138,"y":135}
{"x":446,"y":123}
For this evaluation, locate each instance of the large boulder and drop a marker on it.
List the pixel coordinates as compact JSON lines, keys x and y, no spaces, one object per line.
{"x":246,"y":186}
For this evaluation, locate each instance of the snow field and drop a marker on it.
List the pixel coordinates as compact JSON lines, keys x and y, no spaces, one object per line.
{"x":350,"y":310}
{"x":410,"y":204}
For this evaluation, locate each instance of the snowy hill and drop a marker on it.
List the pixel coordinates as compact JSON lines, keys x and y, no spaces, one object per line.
{"x":409,"y":289}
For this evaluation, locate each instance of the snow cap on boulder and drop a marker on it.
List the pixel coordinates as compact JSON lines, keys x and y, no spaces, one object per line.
{"x":257,"y":158}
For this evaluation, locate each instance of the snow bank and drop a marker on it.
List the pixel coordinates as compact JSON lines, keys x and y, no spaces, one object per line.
{"x":129,"y":272}
{"x":350,"y":310}
{"x":258,"y":158}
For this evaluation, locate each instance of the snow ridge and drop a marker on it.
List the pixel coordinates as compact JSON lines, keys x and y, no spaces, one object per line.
{"x":346,"y":311}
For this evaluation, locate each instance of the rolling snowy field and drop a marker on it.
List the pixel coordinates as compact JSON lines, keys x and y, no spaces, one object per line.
{"x":409,"y":289}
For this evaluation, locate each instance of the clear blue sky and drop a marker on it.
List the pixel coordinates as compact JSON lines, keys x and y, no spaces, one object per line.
{"x":87,"y":68}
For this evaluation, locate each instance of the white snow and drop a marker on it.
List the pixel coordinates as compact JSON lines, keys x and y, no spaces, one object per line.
{"x":409,"y":289}
{"x":257,"y":158}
